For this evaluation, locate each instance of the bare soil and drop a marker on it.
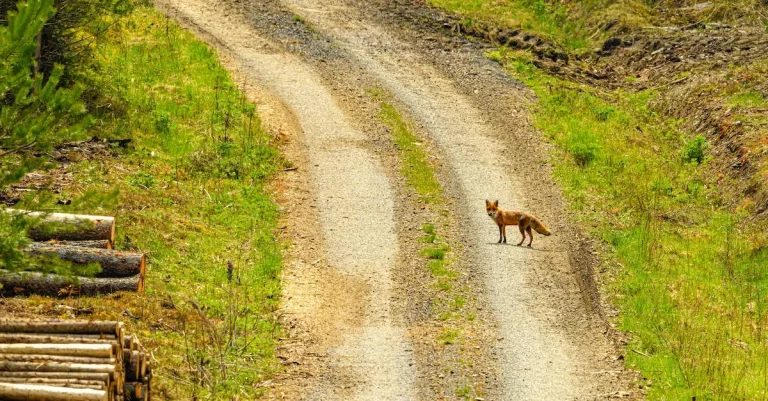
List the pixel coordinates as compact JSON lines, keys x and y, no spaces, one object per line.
{"x":57,"y":177}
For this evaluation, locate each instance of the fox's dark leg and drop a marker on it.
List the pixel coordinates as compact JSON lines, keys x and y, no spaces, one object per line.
{"x":504,"y":232}
{"x":530,"y":234}
{"x":522,"y":231}
{"x":501,"y":228}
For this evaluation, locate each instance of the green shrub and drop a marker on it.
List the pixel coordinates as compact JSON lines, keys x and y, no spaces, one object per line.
{"x":583,"y":146}
{"x":695,"y":150}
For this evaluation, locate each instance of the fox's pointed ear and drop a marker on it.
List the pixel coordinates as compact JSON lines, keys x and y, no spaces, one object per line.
{"x":487,"y":202}
{"x":496,"y":203}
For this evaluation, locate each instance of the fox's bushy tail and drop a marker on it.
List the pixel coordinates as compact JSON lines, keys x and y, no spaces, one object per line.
{"x":540,"y":227}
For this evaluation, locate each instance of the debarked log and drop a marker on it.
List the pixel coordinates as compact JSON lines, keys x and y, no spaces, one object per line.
{"x":25,"y":283}
{"x":100,"y":376}
{"x":72,"y":227}
{"x":55,"y":358}
{"x":59,"y":338}
{"x":74,"y":350}
{"x":113,"y":263}
{"x":79,"y":327}
{"x":75,"y":383}
{"x":37,"y":392}
{"x":55,"y":367}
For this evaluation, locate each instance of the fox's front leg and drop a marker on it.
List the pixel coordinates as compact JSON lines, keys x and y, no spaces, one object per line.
{"x":504,"y":232}
{"x":500,"y":233}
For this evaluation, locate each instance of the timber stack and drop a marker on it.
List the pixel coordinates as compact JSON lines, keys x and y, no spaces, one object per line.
{"x":80,"y":239}
{"x":72,"y":360}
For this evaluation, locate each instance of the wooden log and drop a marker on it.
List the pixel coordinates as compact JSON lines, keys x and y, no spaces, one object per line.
{"x":80,"y":350}
{"x":55,"y":367}
{"x":72,"y":383}
{"x":26,"y":283}
{"x":59,"y":326}
{"x":143,"y":362}
{"x":131,"y":365}
{"x":36,"y":338}
{"x":70,"y":227}
{"x":38,"y":392}
{"x":113,"y":263}
{"x":147,"y":388}
{"x":55,"y":358}
{"x":99,"y":243}
{"x":133,"y":391}
{"x":100,"y":376}
{"x":131,"y":343}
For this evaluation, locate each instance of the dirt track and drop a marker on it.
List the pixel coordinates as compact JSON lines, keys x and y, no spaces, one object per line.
{"x":353,"y":335}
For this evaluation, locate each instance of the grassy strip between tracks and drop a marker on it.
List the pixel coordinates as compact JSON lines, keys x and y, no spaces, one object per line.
{"x":450,"y":305}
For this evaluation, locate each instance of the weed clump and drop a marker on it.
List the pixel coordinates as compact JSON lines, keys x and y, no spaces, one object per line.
{"x":583,"y":146}
{"x":695,"y":150}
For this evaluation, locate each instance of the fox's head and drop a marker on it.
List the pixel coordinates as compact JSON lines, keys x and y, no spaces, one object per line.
{"x":492,"y":208}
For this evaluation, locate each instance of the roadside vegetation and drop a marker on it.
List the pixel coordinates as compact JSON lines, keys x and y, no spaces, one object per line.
{"x":684,"y":268}
{"x":581,"y":25}
{"x":181,"y":160}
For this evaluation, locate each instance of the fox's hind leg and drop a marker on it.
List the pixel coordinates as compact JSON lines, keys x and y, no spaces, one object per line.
{"x":522,"y":231}
{"x":530,"y":234}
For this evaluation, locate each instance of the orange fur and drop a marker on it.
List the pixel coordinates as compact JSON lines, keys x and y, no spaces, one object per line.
{"x":525,"y":221}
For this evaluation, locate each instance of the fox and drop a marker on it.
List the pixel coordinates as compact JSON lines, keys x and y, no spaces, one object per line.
{"x":525,"y":221}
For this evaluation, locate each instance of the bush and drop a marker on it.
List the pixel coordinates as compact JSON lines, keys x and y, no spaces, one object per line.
{"x":583,"y":146}
{"x":695,"y":149}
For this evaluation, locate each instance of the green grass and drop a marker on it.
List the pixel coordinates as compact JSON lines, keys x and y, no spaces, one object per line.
{"x":193,"y":195}
{"x":687,"y":274}
{"x":536,"y":16}
{"x":747,"y":98}
{"x":415,"y":165}
{"x":581,"y":25}
{"x":448,"y":337}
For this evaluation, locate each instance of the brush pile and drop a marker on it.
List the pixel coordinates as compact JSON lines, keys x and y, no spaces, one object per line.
{"x":80,"y":239}
{"x":71,"y":360}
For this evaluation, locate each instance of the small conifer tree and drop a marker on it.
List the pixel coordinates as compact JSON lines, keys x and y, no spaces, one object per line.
{"x":35,"y":115}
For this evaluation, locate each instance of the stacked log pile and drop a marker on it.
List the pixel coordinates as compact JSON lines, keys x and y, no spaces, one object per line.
{"x":80,"y":239}
{"x":71,"y":360}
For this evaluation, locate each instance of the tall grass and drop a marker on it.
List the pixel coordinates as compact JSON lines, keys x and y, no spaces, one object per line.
{"x":689,"y":275}
{"x":194,"y":196}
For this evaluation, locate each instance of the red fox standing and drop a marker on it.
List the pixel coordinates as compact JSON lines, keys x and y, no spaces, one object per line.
{"x":525,"y":221}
